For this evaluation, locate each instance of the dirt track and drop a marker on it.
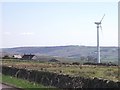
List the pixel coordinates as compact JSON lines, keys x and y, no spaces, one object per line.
{"x":7,"y":87}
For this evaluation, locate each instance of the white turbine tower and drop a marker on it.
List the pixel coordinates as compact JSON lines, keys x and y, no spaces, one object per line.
{"x":98,"y":47}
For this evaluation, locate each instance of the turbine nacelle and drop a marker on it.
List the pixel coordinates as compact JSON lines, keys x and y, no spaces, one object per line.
{"x":98,"y":23}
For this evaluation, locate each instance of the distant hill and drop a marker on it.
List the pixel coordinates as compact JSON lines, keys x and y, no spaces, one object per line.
{"x":72,"y":51}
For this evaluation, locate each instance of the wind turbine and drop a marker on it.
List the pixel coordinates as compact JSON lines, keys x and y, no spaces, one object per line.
{"x":98,"y":47}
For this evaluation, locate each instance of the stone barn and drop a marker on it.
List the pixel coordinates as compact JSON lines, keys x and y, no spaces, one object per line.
{"x":53,"y":60}
{"x":27,"y":57}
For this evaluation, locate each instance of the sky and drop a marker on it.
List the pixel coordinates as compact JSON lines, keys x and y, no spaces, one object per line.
{"x":58,"y":23}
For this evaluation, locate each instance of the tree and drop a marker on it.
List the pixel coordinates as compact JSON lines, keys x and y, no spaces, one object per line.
{"x":6,"y":57}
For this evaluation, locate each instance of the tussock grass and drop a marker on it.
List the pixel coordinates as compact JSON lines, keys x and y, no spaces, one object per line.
{"x":105,"y":72}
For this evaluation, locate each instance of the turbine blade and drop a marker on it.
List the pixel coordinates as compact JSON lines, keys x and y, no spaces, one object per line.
{"x":102,"y":18}
{"x":101,"y":27}
{"x":101,"y":30}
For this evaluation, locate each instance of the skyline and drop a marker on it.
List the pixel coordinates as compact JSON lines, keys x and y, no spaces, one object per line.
{"x":58,"y":24}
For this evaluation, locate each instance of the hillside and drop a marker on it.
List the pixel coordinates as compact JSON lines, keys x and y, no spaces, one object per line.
{"x":107,"y":53}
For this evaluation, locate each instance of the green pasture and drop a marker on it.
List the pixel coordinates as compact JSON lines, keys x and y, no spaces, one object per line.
{"x":24,"y":84}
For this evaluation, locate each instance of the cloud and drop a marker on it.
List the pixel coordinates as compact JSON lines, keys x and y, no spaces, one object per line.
{"x":7,"y":33}
{"x":27,"y":33}
{"x":17,"y":33}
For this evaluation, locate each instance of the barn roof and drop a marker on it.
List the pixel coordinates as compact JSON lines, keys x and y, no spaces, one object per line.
{"x":27,"y":56}
{"x":17,"y":56}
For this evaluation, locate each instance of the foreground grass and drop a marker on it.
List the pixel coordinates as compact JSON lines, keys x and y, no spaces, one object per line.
{"x":20,"y":83}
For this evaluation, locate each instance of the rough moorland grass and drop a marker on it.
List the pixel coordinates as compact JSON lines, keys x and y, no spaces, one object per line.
{"x":105,"y":72}
{"x":26,"y":85}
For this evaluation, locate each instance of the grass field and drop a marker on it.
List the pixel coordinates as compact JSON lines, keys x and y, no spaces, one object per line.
{"x":20,"y":83}
{"x":105,"y":72}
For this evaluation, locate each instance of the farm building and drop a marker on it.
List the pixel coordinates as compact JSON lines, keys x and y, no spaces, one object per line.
{"x":53,"y":60}
{"x":17,"y":56}
{"x":27,"y":57}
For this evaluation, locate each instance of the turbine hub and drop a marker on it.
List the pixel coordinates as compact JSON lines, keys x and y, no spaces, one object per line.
{"x":98,"y":23}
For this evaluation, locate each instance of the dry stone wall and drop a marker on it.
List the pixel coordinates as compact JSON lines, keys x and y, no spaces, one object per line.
{"x":57,"y":80}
